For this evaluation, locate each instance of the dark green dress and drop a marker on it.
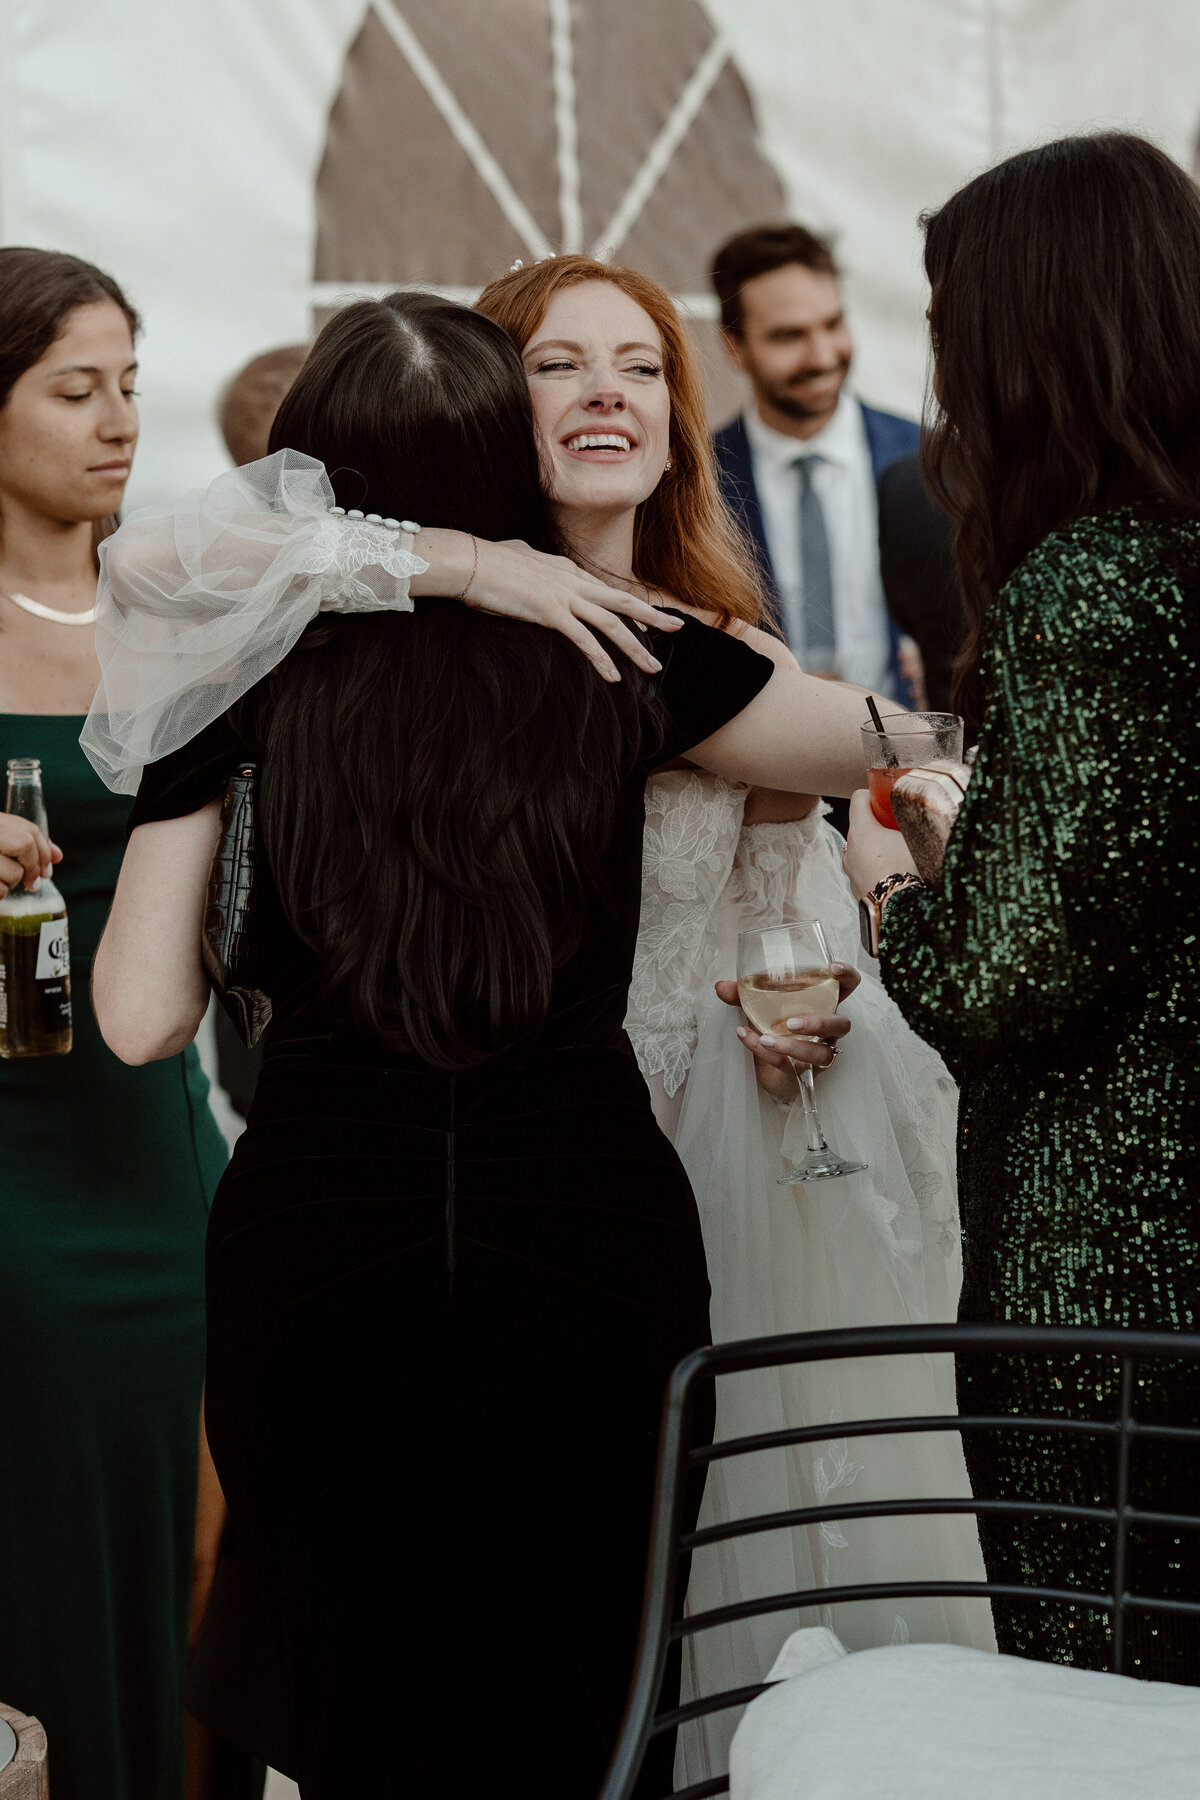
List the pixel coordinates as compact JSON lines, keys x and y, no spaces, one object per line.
{"x":108,"y":1173}
{"x":1057,"y":972}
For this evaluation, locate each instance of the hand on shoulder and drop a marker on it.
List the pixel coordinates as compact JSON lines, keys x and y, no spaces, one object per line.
{"x":517,"y":582}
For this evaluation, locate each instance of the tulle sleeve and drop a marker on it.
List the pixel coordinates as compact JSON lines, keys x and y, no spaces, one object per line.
{"x":199,"y":600}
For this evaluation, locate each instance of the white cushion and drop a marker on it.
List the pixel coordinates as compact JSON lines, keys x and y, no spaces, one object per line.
{"x":939,"y":1722}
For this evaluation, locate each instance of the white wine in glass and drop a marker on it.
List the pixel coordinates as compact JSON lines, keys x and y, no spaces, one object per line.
{"x":784,"y":970}
{"x":769,"y":1001}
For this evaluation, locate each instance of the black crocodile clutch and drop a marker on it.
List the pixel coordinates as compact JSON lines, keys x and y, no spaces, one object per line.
{"x":233,"y":939}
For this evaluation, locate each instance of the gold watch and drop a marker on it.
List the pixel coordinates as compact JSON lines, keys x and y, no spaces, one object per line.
{"x":870,"y":908}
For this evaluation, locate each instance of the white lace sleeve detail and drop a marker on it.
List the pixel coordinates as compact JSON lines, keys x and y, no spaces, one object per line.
{"x":792,"y":869}
{"x":692,"y":823}
{"x":341,"y":548}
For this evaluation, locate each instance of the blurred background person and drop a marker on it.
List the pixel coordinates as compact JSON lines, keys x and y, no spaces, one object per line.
{"x":799,"y":466}
{"x":111,"y":1169}
{"x":920,"y":582}
{"x":247,"y":408}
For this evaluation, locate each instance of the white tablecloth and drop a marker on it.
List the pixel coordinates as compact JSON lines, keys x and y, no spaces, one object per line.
{"x":938,"y":1722}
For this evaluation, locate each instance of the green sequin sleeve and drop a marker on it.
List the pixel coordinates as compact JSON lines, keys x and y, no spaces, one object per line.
{"x":1068,"y":870}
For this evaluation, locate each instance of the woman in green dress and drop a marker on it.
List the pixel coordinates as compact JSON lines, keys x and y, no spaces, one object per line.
{"x":1056,"y":967}
{"x":108,"y":1169}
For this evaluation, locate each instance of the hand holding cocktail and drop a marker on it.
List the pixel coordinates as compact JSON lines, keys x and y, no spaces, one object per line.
{"x":896,"y":743}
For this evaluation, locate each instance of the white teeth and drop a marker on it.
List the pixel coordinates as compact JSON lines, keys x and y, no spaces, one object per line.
{"x":599,"y":440}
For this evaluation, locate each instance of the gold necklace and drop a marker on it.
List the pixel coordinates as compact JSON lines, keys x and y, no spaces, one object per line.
{"x":49,"y":612}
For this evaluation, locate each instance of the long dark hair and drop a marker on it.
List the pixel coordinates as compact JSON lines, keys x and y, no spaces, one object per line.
{"x":38,"y":289}
{"x":1065,"y":319}
{"x":439,"y":787}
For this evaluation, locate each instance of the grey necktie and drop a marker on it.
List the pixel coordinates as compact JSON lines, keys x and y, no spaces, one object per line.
{"x":818,"y":652}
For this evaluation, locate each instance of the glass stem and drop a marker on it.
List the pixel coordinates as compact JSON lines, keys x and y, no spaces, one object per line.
{"x":808,"y":1097}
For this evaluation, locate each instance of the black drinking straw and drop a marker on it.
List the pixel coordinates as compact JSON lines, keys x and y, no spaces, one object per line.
{"x":890,"y":757}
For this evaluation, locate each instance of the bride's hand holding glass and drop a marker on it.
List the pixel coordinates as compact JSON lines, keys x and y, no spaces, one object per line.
{"x":778,"y":967}
{"x":775,"y":1057}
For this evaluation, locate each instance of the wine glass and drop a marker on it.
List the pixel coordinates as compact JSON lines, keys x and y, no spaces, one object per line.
{"x":783,"y":970}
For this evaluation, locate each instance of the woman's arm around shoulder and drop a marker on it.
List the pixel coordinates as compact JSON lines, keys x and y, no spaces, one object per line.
{"x":800,"y":733}
{"x":149,"y":989}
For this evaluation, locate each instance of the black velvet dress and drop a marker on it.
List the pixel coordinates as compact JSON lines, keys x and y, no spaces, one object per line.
{"x":442,"y":1311}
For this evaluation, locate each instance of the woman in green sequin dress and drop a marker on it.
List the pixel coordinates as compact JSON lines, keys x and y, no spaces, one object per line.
{"x":1056,"y":968}
{"x":108,"y":1170}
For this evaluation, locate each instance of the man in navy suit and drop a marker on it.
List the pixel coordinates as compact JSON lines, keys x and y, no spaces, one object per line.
{"x":800,"y":466}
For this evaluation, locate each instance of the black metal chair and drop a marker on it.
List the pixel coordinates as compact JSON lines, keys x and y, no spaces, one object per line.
{"x":662,"y":1621}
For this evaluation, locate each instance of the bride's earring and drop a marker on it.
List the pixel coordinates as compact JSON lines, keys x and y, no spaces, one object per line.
{"x":666,"y":465}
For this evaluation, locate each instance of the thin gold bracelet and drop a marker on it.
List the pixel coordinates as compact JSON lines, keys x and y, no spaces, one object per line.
{"x":474,"y":567}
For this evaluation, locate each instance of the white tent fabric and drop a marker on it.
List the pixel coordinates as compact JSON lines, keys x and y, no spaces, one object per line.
{"x":179,"y":145}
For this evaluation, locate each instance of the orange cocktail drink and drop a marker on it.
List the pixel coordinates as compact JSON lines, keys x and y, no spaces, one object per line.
{"x":907,"y":741}
{"x":879,"y":784}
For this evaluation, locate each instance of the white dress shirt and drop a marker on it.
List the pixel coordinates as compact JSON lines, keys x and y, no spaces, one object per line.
{"x":844,"y":481}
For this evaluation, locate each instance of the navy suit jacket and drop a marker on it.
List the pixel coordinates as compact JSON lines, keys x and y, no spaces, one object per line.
{"x":888,"y":437}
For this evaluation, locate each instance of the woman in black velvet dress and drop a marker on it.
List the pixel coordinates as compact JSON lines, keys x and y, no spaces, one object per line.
{"x":453,"y":1259}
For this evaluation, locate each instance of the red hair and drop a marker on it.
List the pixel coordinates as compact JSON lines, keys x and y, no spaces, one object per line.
{"x":685,"y":540}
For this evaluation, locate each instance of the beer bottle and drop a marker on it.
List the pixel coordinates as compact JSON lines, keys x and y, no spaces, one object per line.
{"x":35,"y":961}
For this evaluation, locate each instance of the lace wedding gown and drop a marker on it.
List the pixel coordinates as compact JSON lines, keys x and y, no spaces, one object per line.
{"x":880,"y":1248}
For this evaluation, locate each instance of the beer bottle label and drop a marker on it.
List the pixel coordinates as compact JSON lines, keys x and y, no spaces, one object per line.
{"x":54,"y":955}
{"x":53,"y":976}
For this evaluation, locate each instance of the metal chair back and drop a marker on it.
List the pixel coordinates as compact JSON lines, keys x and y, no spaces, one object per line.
{"x":662,"y":1620}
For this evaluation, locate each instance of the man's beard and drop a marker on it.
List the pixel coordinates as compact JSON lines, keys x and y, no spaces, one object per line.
{"x":790,"y":400}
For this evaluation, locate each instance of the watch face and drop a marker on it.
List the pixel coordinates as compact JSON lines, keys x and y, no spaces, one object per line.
{"x":868,"y":927}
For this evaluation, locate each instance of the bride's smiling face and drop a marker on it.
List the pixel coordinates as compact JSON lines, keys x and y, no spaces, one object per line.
{"x":600,"y":401}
